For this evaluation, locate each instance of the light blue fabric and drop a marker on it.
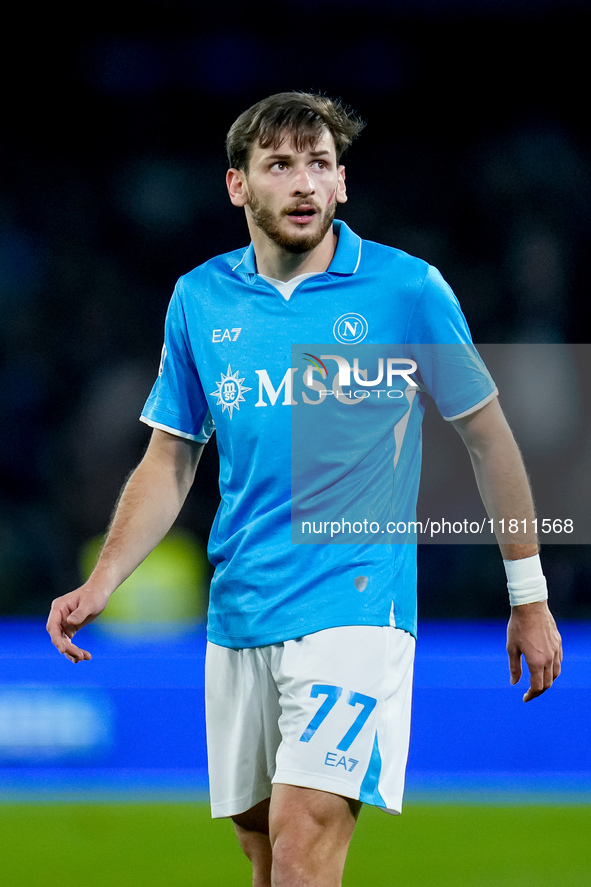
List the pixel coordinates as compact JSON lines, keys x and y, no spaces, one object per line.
{"x":368,"y":792}
{"x":239,"y":355}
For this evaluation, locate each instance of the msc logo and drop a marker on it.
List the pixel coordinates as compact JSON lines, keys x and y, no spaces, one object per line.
{"x":350,"y":329}
{"x":229,"y":391}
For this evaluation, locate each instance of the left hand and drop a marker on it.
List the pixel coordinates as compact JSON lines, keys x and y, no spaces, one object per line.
{"x":532,"y":633}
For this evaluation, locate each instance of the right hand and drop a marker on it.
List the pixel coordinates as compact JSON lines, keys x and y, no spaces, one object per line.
{"x":532,"y":633}
{"x":71,"y":612}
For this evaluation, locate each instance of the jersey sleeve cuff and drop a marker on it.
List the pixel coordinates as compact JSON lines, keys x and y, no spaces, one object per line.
{"x":203,"y":437}
{"x":472,"y":409}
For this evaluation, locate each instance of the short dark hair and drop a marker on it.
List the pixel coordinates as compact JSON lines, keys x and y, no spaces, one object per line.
{"x":302,"y":115}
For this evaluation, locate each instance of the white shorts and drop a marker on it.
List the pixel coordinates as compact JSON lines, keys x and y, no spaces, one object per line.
{"x":328,"y":711}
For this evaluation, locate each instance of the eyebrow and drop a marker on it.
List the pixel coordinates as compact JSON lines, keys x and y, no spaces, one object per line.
{"x":323,"y":153}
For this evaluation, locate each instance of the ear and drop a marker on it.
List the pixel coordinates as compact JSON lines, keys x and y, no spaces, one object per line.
{"x":237,"y":188}
{"x":341,"y":195}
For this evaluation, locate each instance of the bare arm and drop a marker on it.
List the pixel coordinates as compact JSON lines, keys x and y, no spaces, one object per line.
{"x":505,"y":491}
{"x":148,"y":506}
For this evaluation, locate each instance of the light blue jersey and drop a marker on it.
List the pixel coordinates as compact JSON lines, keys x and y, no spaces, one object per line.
{"x":317,"y":403}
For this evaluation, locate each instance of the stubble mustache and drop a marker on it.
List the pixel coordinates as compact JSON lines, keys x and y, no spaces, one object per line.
{"x":266,"y":221}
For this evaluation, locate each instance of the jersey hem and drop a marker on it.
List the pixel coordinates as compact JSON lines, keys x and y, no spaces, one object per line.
{"x":239,"y":643}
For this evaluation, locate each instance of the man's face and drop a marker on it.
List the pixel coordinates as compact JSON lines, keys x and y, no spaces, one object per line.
{"x":291,"y":196}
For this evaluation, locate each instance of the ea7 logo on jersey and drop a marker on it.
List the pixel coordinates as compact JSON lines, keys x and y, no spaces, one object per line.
{"x":226,"y":335}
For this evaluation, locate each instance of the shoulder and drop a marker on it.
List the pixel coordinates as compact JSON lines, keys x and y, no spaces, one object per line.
{"x":432,"y":310}
{"x":423,"y":280}
{"x":213,"y":271}
{"x":389,"y":260}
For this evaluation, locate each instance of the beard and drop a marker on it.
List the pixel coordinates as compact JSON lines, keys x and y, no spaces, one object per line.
{"x":297,"y":242}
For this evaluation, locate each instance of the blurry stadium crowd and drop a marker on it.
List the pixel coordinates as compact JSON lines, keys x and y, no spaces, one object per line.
{"x":97,"y":224}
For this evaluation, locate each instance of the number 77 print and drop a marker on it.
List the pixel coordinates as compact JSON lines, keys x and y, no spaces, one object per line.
{"x":332,"y":695}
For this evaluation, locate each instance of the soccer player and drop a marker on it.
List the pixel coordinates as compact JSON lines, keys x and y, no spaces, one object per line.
{"x":311,"y":647}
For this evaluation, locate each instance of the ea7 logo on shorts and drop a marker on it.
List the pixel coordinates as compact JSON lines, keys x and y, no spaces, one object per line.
{"x":226,"y":335}
{"x":350,"y":329}
{"x":333,"y":759}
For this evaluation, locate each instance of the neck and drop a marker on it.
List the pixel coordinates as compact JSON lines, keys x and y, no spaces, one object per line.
{"x":277,"y":262}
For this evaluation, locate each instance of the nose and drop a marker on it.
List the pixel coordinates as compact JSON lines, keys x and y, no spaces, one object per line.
{"x":303,"y":183}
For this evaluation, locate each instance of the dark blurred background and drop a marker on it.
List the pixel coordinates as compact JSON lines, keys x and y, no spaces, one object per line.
{"x":476,"y":157}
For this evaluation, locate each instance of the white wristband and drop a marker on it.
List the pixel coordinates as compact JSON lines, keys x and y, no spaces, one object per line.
{"x":525,"y":581}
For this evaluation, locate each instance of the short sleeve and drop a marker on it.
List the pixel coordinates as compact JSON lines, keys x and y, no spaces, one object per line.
{"x":448,"y":364}
{"x":177,"y":402}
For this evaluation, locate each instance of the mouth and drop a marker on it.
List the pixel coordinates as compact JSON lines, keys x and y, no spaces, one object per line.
{"x":302,"y":214}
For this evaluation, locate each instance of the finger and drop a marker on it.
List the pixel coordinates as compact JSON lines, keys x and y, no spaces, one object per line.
{"x":71,"y":650}
{"x":536,"y":682}
{"x":54,"y":622}
{"x":557,"y":668}
{"x":59,"y":636}
{"x":76,"y":654}
{"x":81,"y":656}
{"x":76,"y":659}
{"x":540,"y":680}
{"x":515,"y":670}
{"x":549,"y":676}
{"x":57,"y":619}
{"x":531,"y":694}
{"x":79,"y":617}
{"x":63,"y":644}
